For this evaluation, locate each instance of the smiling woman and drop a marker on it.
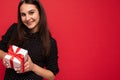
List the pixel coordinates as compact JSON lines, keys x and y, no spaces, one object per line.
{"x":31,"y":33}
{"x":30,"y":16}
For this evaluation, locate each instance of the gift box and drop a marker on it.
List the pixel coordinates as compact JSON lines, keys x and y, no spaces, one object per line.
{"x":16,"y":57}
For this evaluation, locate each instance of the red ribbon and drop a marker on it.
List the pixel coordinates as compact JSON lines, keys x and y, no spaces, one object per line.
{"x":19,"y":56}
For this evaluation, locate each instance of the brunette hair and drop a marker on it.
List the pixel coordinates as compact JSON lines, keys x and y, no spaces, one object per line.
{"x":42,"y":27}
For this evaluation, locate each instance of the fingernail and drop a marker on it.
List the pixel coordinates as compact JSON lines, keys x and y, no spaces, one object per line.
{"x":15,"y":69}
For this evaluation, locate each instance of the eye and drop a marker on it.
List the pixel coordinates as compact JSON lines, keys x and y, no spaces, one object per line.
{"x":23,"y":14}
{"x":31,"y":12}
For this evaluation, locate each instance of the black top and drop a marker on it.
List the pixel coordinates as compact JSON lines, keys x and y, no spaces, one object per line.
{"x":32,"y":44}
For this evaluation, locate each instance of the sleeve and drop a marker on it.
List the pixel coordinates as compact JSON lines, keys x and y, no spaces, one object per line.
{"x":6,"y":37}
{"x":52,"y":60}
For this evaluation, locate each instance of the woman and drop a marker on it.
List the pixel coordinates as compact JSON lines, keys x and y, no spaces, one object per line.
{"x":31,"y":33}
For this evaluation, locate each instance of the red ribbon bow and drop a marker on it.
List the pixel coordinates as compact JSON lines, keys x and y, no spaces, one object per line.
{"x":19,"y":56}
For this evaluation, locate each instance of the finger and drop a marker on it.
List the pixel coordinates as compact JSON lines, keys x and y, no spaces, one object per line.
{"x":27,"y":68}
{"x":6,"y":64}
{"x":3,"y":61}
{"x":26,"y":64}
{"x":18,"y":71}
{"x":28,"y":58}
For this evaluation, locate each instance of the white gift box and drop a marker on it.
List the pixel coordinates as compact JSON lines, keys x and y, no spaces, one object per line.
{"x":16,"y":62}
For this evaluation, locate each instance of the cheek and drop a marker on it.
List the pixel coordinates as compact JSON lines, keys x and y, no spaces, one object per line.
{"x":36,"y":16}
{"x":23,"y":19}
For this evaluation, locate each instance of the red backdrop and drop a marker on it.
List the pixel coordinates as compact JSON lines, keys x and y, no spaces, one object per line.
{"x":87,"y":32}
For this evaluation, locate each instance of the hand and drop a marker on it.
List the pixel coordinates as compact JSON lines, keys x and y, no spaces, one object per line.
{"x":28,"y":66}
{"x":5,"y":63}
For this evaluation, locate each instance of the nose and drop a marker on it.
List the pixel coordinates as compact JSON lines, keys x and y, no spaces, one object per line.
{"x":27,"y":17}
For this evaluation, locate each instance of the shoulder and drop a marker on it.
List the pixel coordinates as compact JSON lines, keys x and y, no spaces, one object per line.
{"x":53,"y":45}
{"x":13,"y":26}
{"x":53,"y":40}
{"x":11,"y":29}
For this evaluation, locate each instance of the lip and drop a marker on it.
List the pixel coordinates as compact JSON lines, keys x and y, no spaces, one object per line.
{"x":29,"y":23}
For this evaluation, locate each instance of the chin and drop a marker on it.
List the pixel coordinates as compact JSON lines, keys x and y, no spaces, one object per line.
{"x":30,"y":26}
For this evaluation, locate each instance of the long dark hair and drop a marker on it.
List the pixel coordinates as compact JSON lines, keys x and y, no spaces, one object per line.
{"x":42,"y":27}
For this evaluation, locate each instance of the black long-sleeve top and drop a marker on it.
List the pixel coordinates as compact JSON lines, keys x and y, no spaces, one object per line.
{"x":32,"y":44}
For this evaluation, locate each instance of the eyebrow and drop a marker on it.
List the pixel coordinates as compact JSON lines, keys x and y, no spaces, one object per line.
{"x":29,"y":11}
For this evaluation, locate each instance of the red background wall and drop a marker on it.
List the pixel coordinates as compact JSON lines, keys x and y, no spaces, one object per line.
{"x":87,"y":32}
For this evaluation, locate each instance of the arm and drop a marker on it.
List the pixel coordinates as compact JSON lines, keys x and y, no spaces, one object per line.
{"x":43,"y":72}
{"x":30,"y":66}
{"x":51,"y":65}
{"x":5,"y":39}
{"x":2,"y":54}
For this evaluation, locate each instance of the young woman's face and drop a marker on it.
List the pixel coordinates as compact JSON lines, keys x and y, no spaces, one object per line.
{"x":30,"y":16}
